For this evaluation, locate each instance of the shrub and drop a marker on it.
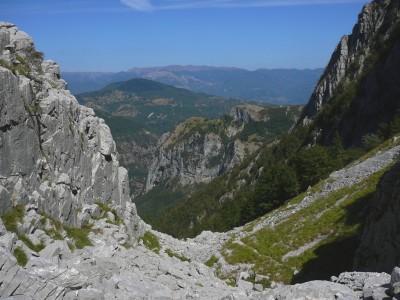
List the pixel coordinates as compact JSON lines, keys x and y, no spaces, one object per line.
{"x":371,"y":140}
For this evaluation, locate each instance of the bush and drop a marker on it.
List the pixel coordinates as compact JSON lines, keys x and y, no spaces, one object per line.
{"x":371,"y":140}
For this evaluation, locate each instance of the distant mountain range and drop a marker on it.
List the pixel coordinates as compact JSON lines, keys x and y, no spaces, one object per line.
{"x":157,"y":106}
{"x":278,"y":86}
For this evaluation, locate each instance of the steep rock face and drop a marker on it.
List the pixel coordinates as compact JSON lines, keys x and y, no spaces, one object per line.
{"x":198,"y":150}
{"x":54,"y":152}
{"x":192,"y":155}
{"x":247,"y":113}
{"x":380,"y":243}
{"x":377,"y":101}
{"x":352,"y":49}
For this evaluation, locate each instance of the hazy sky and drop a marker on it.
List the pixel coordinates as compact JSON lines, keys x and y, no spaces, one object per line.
{"x":115,"y":35}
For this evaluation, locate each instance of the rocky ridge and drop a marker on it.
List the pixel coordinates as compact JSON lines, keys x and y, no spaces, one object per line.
{"x":352,"y":47}
{"x":198,"y":150}
{"x":55,"y":153}
{"x":192,"y":155}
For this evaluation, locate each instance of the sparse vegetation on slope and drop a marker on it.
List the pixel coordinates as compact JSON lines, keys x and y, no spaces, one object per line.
{"x":287,"y":253}
{"x":151,"y":242}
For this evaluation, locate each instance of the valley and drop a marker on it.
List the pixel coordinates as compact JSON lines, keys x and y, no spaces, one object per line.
{"x":142,"y":190}
{"x":177,"y":140}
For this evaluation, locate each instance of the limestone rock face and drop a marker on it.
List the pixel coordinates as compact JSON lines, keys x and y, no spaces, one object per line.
{"x":54,"y":152}
{"x":380,"y":243}
{"x":197,"y":152}
{"x":190,"y":161}
{"x":353,"y":48}
{"x":247,"y":113}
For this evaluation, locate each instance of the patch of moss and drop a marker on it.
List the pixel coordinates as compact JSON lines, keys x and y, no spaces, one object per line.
{"x":127,"y":245}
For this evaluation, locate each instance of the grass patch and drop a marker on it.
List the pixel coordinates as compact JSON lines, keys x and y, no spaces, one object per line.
{"x":39,"y":247}
{"x":20,"y":256}
{"x":79,"y":236}
{"x":105,"y":209}
{"x":55,"y":232}
{"x":151,"y":242}
{"x":173,"y":254}
{"x":341,"y":222}
{"x":12,"y":217}
{"x":211,"y":261}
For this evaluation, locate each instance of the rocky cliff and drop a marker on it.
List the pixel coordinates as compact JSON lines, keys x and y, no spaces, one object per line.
{"x":55,"y":153}
{"x":357,"y":95}
{"x":194,"y":153}
{"x":348,"y":59}
{"x":198,"y":150}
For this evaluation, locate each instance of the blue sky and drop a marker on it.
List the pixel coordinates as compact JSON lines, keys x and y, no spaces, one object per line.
{"x":115,"y":35}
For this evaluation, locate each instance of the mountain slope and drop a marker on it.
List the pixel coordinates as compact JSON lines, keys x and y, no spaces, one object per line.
{"x":312,"y":236}
{"x":357,"y":95}
{"x":280,"y":86}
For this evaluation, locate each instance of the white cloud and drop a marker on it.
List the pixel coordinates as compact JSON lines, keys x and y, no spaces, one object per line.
{"x":145,"y":5}
{"x":141,"y":5}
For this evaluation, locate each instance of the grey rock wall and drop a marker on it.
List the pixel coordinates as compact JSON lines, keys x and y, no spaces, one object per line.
{"x":351,"y":48}
{"x":54,"y":152}
{"x":197,"y":159}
